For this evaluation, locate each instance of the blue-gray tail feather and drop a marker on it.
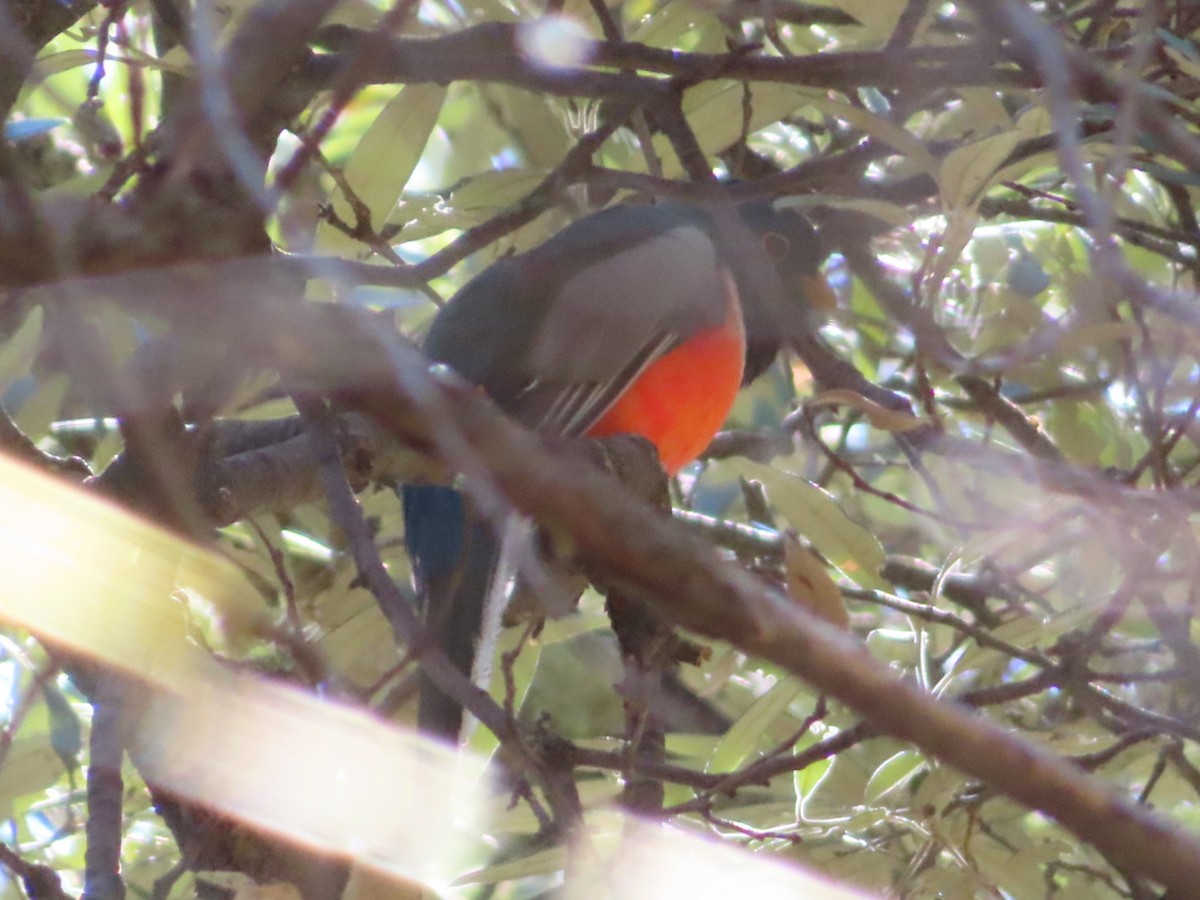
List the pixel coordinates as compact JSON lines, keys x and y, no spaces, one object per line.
{"x":453,"y":555}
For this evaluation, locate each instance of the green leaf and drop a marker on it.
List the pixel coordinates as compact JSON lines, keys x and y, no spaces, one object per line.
{"x":936,"y":789}
{"x":817,"y":516}
{"x":42,"y":406}
{"x":496,"y":190}
{"x":1067,"y":424}
{"x":982,"y":111}
{"x":384,"y":160}
{"x":107,"y":449}
{"x":540,"y":862}
{"x":1182,"y":52}
{"x":17,"y":353}
{"x":968,"y":170}
{"x":878,"y":127}
{"x":360,"y":649}
{"x":670,"y":23}
{"x":30,"y":765}
{"x":536,"y":125}
{"x":1031,"y":631}
{"x":894,"y":772}
{"x":743,"y":738}
{"x":66,"y":732}
{"x":715,"y":111}
{"x":805,"y":781}
{"x":836,"y":793}
{"x":877,"y":17}
{"x":53,"y":63}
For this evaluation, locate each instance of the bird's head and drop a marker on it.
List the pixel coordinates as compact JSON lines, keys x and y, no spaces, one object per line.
{"x":792,"y":243}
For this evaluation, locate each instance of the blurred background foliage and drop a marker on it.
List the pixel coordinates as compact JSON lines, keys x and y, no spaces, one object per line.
{"x":1039,"y":564}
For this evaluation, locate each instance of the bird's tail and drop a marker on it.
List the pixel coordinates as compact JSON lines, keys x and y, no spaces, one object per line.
{"x":454,"y":557}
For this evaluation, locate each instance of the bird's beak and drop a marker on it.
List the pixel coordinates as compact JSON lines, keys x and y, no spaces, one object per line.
{"x":819,"y":293}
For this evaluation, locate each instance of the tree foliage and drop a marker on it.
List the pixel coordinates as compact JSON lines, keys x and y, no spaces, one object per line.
{"x":947,"y":646}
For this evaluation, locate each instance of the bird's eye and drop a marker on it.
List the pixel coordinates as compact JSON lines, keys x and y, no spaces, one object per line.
{"x":777,"y":246}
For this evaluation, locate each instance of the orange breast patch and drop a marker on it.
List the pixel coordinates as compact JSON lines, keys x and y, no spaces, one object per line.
{"x":681,"y":400}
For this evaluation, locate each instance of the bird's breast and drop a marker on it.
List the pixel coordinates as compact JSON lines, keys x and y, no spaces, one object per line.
{"x":680,"y":401}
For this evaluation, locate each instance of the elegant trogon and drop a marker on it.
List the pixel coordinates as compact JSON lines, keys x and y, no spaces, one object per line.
{"x":630,"y":320}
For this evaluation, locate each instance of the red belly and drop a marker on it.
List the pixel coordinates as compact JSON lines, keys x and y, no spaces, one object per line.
{"x":681,"y":400}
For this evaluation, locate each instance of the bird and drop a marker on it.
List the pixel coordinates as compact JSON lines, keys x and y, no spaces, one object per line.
{"x":636,"y":319}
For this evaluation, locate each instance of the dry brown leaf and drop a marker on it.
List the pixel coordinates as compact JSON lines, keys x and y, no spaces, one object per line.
{"x":809,"y":584}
